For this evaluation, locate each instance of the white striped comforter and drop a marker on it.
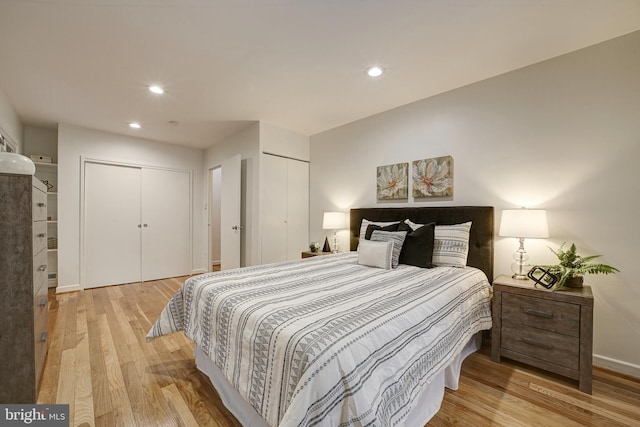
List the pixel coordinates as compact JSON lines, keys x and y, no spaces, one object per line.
{"x":327,"y":342}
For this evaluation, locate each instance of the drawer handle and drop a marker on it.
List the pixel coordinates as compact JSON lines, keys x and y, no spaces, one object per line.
{"x":42,"y":235}
{"x":538,"y":313}
{"x":43,"y":337}
{"x":42,"y":302}
{"x":41,"y":205}
{"x":537,"y":343}
{"x":42,"y":267}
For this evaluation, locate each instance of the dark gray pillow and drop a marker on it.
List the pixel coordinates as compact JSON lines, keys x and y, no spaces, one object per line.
{"x":417,"y":248}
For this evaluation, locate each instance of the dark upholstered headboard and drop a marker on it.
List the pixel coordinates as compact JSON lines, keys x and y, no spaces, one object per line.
{"x":480,"y":238}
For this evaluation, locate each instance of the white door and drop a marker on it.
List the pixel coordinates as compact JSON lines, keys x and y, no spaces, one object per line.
{"x":274,"y":209}
{"x":166,"y":213}
{"x":111,"y":220}
{"x":230,"y":226}
{"x":297,"y":208}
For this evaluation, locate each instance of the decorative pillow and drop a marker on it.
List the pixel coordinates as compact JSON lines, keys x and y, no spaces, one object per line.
{"x":451,"y":245}
{"x":418,"y":245}
{"x":365,"y":223}
{"x":412,"y":224}
{"x":397,"y":237}
{"x":372,"y":227}
{"x":375,"y":254}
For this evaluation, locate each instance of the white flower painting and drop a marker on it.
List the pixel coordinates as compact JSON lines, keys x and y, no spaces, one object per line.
{"x":432,"y":177}
{"x":393,"y":182}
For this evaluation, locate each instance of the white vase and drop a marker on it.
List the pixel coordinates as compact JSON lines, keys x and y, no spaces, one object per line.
{"x":17,"y":164}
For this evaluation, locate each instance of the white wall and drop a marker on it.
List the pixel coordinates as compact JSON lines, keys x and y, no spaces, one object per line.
{"x":283,"y":142}
{"x":74,"y":143}
{"x":10,"y":124}
{"x":563,"y":135}
{"x":42,"y":141}
{"x":246,"y":143}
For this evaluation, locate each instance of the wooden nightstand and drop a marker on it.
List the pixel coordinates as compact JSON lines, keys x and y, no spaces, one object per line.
{"x":309,"y":254}
{"x":548,"y":330}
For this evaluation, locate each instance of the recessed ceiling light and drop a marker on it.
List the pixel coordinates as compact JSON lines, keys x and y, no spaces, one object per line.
{"x":156,"y":89}
{"x":375,"y":71}
{"x":135,"y":125}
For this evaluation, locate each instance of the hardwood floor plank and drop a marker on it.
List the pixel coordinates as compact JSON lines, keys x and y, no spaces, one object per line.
{"x":83,"y":396}
{"x":101,"y":365}
{"x":178,"y":406}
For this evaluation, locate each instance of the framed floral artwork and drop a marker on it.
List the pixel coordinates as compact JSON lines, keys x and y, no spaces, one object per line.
{"x":432,"y":177}
{"x":393,"y":182}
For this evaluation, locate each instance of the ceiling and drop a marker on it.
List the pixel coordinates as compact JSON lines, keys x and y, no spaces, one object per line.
{"x":298,"y":64}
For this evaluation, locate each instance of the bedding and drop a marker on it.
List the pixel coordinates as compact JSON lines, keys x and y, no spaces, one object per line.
{"x":326,"y":341}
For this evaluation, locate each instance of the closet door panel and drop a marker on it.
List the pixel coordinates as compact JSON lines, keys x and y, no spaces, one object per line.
{"x":274,"y":207}
{"x":166,"y":216}
{"x":112,"y":215}
{"x":297,"y":208}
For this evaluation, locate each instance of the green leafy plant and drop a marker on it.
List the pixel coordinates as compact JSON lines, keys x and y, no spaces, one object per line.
{"x":573,"y":265}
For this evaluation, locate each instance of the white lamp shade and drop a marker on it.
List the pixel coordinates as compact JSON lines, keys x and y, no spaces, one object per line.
{"x":524,"y":223}
{"x":334,"y":220}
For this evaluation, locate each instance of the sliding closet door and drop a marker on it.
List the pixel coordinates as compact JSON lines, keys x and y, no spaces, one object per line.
{"x":297,"y":208}
{"x":274,"y":209}
{"x":166,"y":211}
{"x":112,"y":215}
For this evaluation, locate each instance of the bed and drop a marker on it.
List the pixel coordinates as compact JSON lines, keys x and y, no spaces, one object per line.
{"x":327,"y":341}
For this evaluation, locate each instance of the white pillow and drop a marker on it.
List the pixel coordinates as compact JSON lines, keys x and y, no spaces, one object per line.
{"x":451,"y":245}
{"x":365,"y":223}
{"x":375,"y":254}
{"x":412,"y":224}
{"x":397,"y":237}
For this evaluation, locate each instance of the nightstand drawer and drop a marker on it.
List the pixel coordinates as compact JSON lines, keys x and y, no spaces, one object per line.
{"x":554,"y":316}
{"x":555,"y":348}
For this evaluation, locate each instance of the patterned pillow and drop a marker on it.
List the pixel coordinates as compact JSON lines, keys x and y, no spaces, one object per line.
{"x":397,"y":237}
{"x":365,"y":223}
{"x":451,"y":245}
{"x":375,"y":254}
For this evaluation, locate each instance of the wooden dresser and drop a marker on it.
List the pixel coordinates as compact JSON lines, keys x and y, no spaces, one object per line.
{"x":23,"y":286}
{"x":548,"y":330}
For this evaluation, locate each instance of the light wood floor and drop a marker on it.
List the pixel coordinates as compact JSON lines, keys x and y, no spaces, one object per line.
{"x":100,"y":364}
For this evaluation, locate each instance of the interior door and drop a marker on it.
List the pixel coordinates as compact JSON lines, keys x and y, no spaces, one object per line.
{"x":297,"y":208}
{"x":230,"y":201}
{"x":111,"y":217}
{"x":274,"y":209}
{"x":166,"y":213}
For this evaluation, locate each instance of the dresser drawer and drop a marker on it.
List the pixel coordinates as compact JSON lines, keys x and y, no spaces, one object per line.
{"x":548,"y":346}
{"x":39,"y":205}
{"x":560,"y":317}
{"x":41,"y":340}
{"x":39,"y":269}
{"x":39,"y":236}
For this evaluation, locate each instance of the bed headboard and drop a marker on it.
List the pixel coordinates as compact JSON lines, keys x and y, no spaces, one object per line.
{"x":480,"y":238}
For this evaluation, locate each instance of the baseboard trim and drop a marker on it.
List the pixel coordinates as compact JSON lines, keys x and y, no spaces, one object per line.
{"x":198,"y":271}
{"x":68,"y":288}
{"x":616,"y":365}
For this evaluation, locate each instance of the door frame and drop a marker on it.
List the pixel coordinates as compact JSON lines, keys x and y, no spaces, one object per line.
{"x":86,"y":159}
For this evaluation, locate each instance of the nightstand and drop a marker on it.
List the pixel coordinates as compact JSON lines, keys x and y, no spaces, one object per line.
{"x":309,"y":254}
{"x":549,"y":330}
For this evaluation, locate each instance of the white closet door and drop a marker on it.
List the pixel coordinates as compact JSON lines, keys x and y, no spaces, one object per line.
{"x":112,"y":215}
{"x":297,"y":208}
{"x":230,"y":214}
{"x":274,"y":207}
{"x":165,"y":223}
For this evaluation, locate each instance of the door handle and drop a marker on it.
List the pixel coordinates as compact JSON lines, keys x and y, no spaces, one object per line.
{"x":145,"y":225}
{"x":237,"y":227}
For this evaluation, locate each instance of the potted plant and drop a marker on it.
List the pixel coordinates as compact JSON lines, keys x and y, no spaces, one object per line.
{"x":572,"y":267}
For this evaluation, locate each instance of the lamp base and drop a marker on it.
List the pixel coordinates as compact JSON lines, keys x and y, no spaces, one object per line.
{"x":519,"y":277}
